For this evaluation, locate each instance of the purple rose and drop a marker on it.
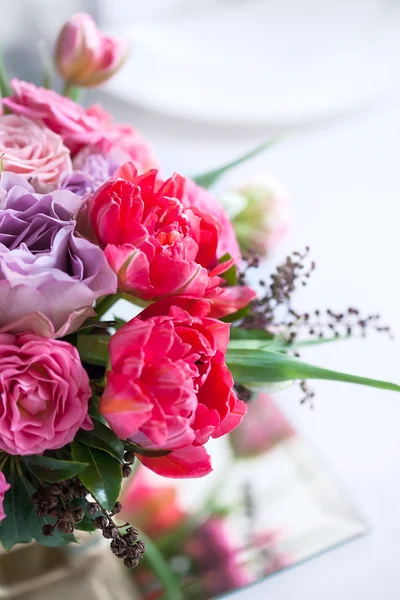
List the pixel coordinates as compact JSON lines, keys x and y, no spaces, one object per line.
{"x":91,"y":170}
{"x":49,"y":276}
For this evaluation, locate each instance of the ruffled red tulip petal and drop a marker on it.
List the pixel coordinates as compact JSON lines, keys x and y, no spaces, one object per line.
{"x":169,"y":387}
{"x":155,"y":245}
{"x":229,"y":300}
{"x":190,"y":462}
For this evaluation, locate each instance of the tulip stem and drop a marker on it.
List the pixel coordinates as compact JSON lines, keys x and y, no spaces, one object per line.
{"x":5,"y":88}
{"x":71,"y":91}
{"x":136,"y":301}
{"x":104,"y":305}
{"x":161,"y":569}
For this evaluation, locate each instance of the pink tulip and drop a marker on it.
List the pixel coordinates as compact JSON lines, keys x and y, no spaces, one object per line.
{"x":84,"y":55}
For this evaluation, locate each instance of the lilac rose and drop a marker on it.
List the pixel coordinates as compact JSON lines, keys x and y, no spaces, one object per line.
{"x":91,"y":170}
{"x":49,"y":275}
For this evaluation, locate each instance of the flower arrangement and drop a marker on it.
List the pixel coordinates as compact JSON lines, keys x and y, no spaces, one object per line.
{"x":86,"y":219}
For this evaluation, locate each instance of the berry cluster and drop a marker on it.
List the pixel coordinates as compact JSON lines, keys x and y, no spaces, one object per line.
{"x":124,"y":545}
{"x":56,"y":502}
{"x":274,"y":309}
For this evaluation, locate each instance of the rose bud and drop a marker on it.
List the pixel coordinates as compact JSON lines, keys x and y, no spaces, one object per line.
{"x":261,"y":216}
{"x":84,"y":56}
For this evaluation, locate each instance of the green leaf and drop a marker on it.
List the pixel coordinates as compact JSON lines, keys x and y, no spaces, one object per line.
{"x":265,"y":366}
{"x":160,"y":567}
{"x":22,"y":523}
{"x":146,"y":451}
{"x":102,"y":477}
{"x":14,"y":529}
{"x":102,"y":438}
{"x":93,"y":349}
{"x":239,"y":314}
{"x":95,"y":413}
{"x":238,"y":333}
{"x":231,"y":275}
{"x":94,"y":323}
{"x":206,"y":180}
{"x":52,"y":469}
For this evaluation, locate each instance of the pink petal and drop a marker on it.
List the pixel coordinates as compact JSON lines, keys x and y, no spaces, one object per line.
{"x":192,"y":461}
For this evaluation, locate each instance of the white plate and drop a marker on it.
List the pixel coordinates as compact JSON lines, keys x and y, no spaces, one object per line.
{"x":278,"y":62}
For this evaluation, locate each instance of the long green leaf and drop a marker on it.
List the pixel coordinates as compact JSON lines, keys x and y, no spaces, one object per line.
{"x":161,"y":568}
{"x":102,"y":477}
{"x":263,"y":366}
{"x":206,"y":180}
{"x":14,"y":529}
{"x":52,"y":469}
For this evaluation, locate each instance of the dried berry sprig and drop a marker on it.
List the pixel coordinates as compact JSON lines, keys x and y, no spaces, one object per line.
{"x":129,"y":459}
{"x":124,"y":544}
{"x":274,"y":311}
{"x":308,"y":394}
{"x":57,"y":502}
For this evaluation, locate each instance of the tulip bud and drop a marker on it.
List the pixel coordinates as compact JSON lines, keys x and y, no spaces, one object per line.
{"x":260,"y":215}
{"x":264,"y":427}
{"x":84,"y":56}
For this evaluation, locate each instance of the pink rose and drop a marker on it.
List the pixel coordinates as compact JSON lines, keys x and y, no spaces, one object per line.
{"x":84,"y":56}
{"x":4,"y":487}
{"x":32,"y":150}
{"x":169,"y":387}
{"x":79,"y":127}
{"x":44,"y":394}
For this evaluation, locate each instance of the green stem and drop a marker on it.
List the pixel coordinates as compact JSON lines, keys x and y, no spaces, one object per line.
{"x":104,"y":305}
{"x":71,"y":91}
{"x":47,"y":65}
{"x":136,"y":301}
{"x":5,"y":88}
{"x":161,"y":568}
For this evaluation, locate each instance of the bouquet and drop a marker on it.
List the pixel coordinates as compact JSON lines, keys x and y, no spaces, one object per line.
{"x":86,"y":219}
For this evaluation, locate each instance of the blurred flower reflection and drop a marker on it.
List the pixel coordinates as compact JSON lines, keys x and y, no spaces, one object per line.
{"x":206,"y":551}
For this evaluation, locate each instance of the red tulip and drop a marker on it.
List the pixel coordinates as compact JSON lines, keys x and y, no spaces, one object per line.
{"x":169,"y":387}
{"x":156,"y":246}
